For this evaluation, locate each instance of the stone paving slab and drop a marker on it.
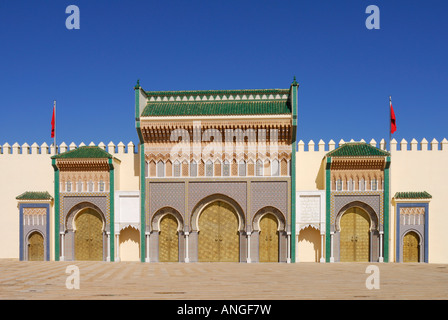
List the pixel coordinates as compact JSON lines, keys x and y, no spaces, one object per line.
{"x":221,"y":281}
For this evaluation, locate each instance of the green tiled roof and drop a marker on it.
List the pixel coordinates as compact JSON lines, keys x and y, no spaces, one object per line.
{"x":412,"y":195}
{"x":223,"y":102}
{"x":84,"y":153}
{"x":217,"y":92}
{"x":185,"y":108}
{"x":357,"y":149}
{"x":35,"y":195}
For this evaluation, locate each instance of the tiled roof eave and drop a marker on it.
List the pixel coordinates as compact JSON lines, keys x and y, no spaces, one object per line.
{"x":412,"y":195}
{"x":33,"y":196}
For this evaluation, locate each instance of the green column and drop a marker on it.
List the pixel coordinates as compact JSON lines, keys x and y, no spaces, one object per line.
{"x":142,"y":203}
{"x":386,"y":210}
{"x":294,"y":106}
{"x":112,"y":209}
{"x":56,"y":210}
{"x":328,"y":209}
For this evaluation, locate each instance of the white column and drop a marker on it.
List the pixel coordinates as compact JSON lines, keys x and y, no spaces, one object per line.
{"x":331,"y":246}
{"x":107,"y":246}
{"x":322,"y":259}
{"x":187,"y":258}
{"x":381,"y":259}
{"x":288,"y":252}
{"x":62,"y":258}
{"x":147,"y":247}
{"x":118,"y":247}
{"x":248,"y":247}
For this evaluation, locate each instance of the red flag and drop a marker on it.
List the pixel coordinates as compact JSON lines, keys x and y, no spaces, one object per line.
{"x":393,"y":124}
{"x":53,"y":122}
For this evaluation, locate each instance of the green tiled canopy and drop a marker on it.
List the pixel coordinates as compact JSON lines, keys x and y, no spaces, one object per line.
{"x":357,"y":149}
{"x":84,"y":153}
{"x":217,"y":107}
{"x":412,"y":195}
{"x":35,"y":195}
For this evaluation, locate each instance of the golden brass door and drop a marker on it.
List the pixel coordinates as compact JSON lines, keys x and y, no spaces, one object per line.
{"x":268,"y":239}
{"x":89,"y":236}
{"x":168,"y":239}
{"x":355,"y":236}
{"x":218,"y":234}
{"x":411,"y":247}
{"x":36,"y":247}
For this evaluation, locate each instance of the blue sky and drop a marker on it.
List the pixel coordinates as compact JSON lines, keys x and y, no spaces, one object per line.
{"x":346,"y":72}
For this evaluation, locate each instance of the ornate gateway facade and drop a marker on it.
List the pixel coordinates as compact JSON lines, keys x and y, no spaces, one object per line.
{"x":217,"y":176}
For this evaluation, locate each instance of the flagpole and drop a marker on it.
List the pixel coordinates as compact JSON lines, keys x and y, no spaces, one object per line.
{"x":54,"y":143}
{"x":390,"y":122}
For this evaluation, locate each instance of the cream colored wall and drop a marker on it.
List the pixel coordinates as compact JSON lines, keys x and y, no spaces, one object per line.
{"x":24,"y":168}
{"x":20,"y":173}
{"x":28,"y":168}
{"x":421,"y":168}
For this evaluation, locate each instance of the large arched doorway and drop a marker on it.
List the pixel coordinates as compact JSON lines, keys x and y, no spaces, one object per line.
{"x":168,"y":239}
{"x":218,"y":233}
{"x":411,"y":247}
{"x":36,"y":247}
{"x":88,"y":235}
{"x":355,"y":236}
{"x":268,"y":239}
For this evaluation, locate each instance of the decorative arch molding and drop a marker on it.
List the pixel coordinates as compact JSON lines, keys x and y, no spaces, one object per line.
{"x":128,"y":225}
{"x":419,"y":234}
{"x":374,"y":219}
{"x":161,"y":213}
{"x":28,"y":235}
{"x":281,"y":220}
{"x":311,"y":225}
{"x":202,"y":204}
{"x":79,"y":208}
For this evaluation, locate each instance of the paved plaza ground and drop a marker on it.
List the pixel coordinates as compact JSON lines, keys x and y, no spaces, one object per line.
{"x":221,"y":281}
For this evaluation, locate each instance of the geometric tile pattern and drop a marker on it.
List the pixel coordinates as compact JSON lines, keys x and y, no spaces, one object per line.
{"x":373,"y":198}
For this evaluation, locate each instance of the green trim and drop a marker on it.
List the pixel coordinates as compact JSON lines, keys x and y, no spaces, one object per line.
{"x":56,"y":210}
{"x":112,"y":210}
{"x":386,"y":210}
{"x":139,"y":132}
{"x":294,"y":106}
{"x":142,"y":203}
{"x":328,"y":209}
{"x":137,"y":103}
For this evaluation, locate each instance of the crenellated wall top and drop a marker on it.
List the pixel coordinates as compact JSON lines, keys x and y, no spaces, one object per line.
{"x":45,"y":149}
{"x":403,"y":145}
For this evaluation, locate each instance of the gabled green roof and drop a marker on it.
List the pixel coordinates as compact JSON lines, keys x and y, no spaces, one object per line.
{"x":413,"y":195}
{"x":217,"y":102}
{"x":357,"y":149}
{"x":35,"y":195}
{"x":85,"y":152}
{"x":196,"y":108}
